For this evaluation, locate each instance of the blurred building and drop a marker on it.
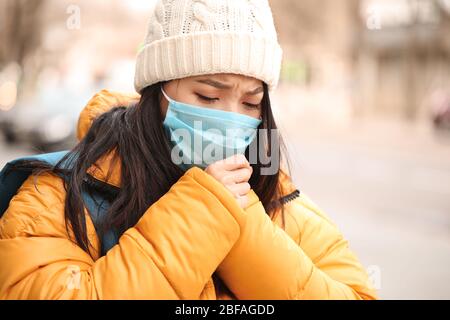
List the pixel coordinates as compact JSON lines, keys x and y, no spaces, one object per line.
{"x":341,"y":57}
{"x":368,"y":58}
{"x":403,"y":57}
{"x":81,"y":43}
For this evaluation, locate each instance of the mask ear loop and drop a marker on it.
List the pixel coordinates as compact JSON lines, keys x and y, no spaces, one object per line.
{"x":165,"y":95}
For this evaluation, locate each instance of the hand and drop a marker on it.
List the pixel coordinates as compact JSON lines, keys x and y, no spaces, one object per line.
{"x":234,"y":173}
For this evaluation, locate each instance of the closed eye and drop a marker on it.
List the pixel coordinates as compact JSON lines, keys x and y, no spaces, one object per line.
{"x":252,"y":106}
{"x":211,"y":100}
{"x":206,"y":99}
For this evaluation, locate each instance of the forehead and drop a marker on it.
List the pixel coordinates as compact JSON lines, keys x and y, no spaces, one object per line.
{"x":229,"y":78}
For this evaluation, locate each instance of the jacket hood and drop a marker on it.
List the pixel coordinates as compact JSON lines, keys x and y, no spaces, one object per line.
{"x":105,"y":169}
{"x":102,"y":102}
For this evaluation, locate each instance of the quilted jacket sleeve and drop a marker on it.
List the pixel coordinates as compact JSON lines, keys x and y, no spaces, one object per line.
{"x":171,"y":253}
{"x":267,"y":263}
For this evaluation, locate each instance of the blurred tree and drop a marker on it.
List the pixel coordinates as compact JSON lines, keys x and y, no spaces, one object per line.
{"x":298,"y":20}
{"x":21,"y":29}
{"x":319,"y":34}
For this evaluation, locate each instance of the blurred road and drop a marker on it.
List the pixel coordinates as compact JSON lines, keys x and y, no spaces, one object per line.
{"x":387,"y":187}
{"x":8,"y":152}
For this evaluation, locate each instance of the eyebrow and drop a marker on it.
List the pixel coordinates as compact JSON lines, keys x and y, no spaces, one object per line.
{"x":223,"y":86}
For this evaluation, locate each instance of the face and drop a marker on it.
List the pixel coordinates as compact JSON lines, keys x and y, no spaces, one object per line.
{"x":227,"y":92}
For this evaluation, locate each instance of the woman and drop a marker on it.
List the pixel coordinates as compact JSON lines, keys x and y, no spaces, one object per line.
{"x":188,"y":224}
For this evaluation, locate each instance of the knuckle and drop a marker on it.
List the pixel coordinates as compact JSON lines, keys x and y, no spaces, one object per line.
{"x":241,"y":158}
{"x":214,"y":169}
{"x":210,"y":170}
{"x":230,"y":160}
{"x":227,"y":179}
{"x":249,"y":173}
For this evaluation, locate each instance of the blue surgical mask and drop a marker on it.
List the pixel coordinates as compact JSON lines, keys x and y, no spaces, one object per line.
{"x":201,"y":136}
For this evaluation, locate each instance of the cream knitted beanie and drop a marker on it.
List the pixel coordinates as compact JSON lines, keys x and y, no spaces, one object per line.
{"x":196,"y":37}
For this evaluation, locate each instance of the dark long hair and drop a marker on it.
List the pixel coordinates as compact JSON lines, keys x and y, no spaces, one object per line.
{"x":137,"y":138}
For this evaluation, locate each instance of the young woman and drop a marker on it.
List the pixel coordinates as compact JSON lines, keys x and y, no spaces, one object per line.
{"x":179,"y":226}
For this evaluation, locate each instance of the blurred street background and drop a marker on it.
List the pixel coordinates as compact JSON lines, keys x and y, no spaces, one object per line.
{"x":363,"y":103}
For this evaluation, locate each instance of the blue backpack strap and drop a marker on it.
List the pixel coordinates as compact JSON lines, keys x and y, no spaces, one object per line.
{"x":12,"y":180}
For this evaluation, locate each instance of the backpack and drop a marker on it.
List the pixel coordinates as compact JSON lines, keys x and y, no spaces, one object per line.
{"x":95,"y":198}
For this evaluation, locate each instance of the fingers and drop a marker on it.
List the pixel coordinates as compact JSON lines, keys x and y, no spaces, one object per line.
{"x":235,"y":162}
{"x":236,"y":176}
{"x":242,"y":201}
{"x":235,"y":169}
{"x":234,"y":173}
{"x":240,"y":189}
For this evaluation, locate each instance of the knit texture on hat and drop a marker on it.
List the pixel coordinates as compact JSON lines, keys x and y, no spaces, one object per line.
{"x":197,"y":37}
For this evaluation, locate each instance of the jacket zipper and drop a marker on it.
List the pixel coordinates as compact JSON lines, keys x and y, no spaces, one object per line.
{"x":290,"y":197}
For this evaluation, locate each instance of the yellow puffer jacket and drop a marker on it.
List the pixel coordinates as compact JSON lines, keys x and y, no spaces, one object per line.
{"x":193,"y":243}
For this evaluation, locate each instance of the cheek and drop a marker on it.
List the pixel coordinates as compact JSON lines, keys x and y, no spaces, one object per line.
{"x":190,"y":98}
{"x":254,"y":113}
